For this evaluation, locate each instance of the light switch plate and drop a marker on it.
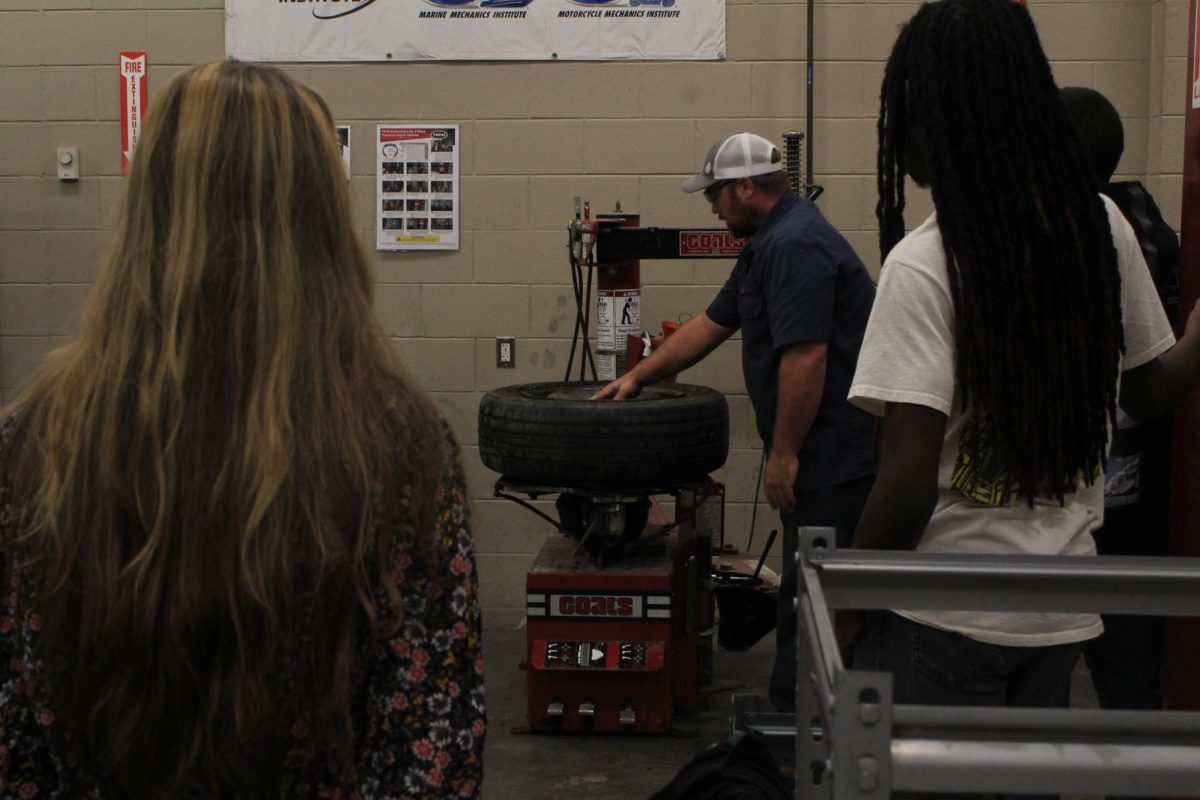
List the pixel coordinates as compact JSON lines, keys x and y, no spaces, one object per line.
{"x":67,"y":159}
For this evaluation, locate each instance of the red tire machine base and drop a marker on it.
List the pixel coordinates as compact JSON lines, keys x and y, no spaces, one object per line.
{"x":621,"y":648}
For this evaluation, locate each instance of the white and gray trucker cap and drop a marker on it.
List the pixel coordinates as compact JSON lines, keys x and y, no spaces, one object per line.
{"x":740,"y":156}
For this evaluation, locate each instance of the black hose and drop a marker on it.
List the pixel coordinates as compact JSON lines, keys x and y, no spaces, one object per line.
{"x":558,"y":526}
{"x":754,"y":508}
{"x":587,"y":344}
{"x":576,"y":279}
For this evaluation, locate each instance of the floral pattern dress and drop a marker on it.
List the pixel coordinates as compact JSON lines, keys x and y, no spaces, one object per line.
{"x":421,"y":722}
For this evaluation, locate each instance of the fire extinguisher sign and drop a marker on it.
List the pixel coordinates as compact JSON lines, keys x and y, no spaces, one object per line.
{"x":133,"y":103}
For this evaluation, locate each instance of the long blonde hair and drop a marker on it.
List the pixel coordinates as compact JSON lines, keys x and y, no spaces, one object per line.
{"x":206,"y":472}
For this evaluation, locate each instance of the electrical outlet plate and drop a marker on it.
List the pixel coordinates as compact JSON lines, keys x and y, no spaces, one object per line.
{"x":506,"y":352}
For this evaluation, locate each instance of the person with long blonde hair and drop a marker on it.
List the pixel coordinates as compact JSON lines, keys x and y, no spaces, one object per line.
{"x":235,"y":541}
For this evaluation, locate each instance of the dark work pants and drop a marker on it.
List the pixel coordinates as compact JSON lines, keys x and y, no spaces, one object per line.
{"x":935,"y":667}
{"x":838,"y":507}
{"x":1126,"y":660}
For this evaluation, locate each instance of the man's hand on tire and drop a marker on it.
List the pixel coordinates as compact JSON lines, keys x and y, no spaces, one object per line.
{"x":623,"y":387}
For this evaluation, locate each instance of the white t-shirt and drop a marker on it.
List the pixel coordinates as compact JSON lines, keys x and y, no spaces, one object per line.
{"x":908,"y":356}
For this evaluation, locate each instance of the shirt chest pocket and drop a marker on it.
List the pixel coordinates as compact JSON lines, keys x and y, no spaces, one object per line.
{"x":750,"y":303}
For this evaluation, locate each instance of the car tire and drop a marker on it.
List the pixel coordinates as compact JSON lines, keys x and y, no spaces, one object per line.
{"x":552,"y":434}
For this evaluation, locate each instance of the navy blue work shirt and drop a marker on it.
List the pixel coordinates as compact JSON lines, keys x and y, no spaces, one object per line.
{"x":798,"y":280}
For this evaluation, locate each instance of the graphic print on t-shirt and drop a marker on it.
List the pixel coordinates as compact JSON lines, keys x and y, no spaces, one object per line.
{"x":988,"y":480}
{"x":983,"y":480}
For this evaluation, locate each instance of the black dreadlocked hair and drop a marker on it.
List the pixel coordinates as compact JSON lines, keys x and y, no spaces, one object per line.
{"x":1098,"y":126}
{"x":1032,"y":267}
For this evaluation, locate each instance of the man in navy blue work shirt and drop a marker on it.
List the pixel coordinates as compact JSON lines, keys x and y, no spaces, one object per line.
{"x":801,"y":298}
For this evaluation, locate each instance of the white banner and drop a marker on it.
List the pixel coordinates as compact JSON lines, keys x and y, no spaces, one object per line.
{"x":413,"y":30}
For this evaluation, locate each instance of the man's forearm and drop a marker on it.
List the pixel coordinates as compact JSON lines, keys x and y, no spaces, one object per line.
{"x":801,"y":384}
{"x":801,"y":381}
{"x":695,"y":339}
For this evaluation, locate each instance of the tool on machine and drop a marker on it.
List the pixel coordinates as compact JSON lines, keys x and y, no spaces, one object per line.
{"x":762,"y":560}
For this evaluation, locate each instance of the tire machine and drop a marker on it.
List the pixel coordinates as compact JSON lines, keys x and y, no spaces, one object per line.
{"x":621,"y":647}
{"x":620,"y":641}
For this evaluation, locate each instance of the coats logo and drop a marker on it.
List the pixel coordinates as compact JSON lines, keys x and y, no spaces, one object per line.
{"x":709,"y":243}
{"x":616,"y":607}
{"x":595,"y":606}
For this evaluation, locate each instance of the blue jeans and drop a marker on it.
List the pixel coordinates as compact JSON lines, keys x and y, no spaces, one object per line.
{"x":935,"y":667}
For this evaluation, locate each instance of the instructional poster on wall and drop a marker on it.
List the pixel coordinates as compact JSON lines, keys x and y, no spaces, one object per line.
{"x":417,"y":178}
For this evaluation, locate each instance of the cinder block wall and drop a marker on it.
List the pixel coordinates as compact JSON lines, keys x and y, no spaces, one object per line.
{"x":535,"y":135}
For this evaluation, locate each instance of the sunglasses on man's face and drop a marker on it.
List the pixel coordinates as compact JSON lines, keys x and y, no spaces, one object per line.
{"x":712,"y":192}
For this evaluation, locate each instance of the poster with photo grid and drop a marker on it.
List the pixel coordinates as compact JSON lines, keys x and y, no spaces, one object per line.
{"x":417,"y":180}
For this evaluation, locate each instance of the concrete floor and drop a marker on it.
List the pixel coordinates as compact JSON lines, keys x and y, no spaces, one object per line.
{"x":548,"y":767}
{"x":522,"y":766}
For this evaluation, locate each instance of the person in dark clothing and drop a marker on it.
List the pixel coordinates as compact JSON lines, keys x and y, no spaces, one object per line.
{"x":1126,"y":660}
{"x":801,"y":298}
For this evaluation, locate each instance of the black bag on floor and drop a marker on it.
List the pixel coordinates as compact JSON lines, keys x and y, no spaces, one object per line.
{"x":739,"y":769}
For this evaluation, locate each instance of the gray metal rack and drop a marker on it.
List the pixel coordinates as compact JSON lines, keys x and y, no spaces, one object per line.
{"x":859,"y":745}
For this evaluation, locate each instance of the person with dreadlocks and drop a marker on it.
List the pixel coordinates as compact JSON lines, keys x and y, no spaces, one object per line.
{"x":1003,"y":328}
